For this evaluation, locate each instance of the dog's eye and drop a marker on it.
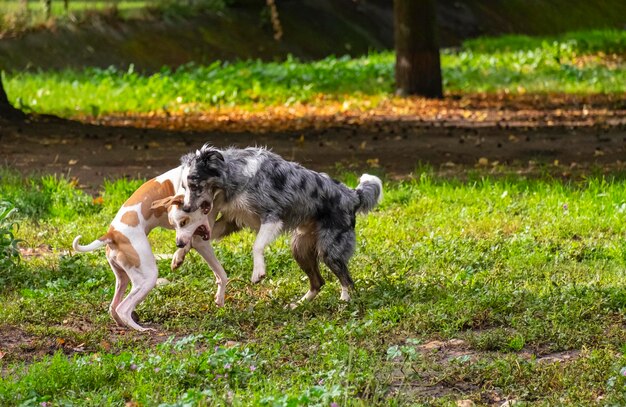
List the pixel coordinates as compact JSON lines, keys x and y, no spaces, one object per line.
{"x":184,"y":222}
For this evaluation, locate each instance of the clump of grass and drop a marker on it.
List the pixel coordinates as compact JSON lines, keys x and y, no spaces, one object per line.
{"x":520,"y":64}
{"x":50,"y":196}
{"x":578,"y":42}
{"x":9,"y":252}
{"x":512,"y":64}
{"x":195,"y":87}
{"x":192,"y":362}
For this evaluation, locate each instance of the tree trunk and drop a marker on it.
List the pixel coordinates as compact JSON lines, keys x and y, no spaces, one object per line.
{"x":418,"y":67}
{"x":7,"y":111}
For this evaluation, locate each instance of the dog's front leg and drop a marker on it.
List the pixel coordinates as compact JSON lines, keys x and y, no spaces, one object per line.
{"x":206,"y":251}
{"x":268,"y":232}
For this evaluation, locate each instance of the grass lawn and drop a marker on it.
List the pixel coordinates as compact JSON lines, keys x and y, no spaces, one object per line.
{"x":12,"y":6}
{"x":584,"y":63}
{"x":488,"y":289}
{"x":15,"y":18}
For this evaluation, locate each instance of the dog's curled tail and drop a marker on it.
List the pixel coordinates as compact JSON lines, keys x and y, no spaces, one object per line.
{"x":370,"y":192}
{"x":96,"y":244}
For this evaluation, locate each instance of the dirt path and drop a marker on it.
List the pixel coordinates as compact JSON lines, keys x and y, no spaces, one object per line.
{"x":93,"y":153}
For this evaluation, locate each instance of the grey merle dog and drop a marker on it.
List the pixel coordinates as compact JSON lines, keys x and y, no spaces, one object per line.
{"x":256,"y":188}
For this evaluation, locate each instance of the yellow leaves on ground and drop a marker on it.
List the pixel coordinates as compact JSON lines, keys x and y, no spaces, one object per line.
{"x":455,"y":110}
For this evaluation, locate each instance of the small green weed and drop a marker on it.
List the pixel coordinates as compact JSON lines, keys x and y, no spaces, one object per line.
{"x":9,"y":252}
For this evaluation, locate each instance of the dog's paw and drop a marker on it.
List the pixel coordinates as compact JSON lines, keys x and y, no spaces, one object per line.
{"x":178,"y":259}
{"x":257,"y":276}
{"x":219,"y":300}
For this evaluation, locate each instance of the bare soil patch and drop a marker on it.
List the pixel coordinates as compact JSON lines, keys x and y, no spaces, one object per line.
{"x":17,"y":344}
{"x":414,"y":379}
{"x":561,"y":137}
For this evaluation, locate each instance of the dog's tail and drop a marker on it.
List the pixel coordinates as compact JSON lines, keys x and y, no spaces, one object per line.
{"x":96,"y":244}
{"x":370,"y":192}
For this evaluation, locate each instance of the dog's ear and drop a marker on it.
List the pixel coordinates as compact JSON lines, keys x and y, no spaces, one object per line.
{"x":168,"y":202}
{"x":210,"y":164}
{"x":209,"y":156}
{"x":162,"y":203}
{"x":178,"y":200}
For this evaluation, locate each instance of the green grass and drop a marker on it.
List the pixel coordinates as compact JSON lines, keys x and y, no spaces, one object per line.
{"x":14,"y":18}
{"x":581,"y":42}
{"x":512,"y":64}
{"x":8,"y":6}
{"x":515,"y":268}
{"x":9,"y":253}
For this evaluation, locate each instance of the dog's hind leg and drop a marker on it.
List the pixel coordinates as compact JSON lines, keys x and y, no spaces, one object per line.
{"x":268,"y":232}
{"x":121,"y":282}
{"x":336,"y":248}
{"x":143,"y":280}
{"x":143,"y":276}
{"x":304,"y":250}
{"x":206,"y":251}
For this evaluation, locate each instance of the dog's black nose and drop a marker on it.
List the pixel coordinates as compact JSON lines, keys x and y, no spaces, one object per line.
{"x":180,"y":244}
{"x":187,"y":208}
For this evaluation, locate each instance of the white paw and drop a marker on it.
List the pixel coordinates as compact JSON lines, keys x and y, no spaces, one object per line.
{"x":258,"y":275}
{"x":178,"y":259}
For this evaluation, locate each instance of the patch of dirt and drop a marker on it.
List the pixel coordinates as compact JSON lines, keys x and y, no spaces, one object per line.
{"x":563,"y":144}
{"x":12,"y":337}
{"x":16,"y":344}
{"x":558,"y":357}
{"x":427,"y":383}
{"x":476,"y":111}
{"x":35,"y":252}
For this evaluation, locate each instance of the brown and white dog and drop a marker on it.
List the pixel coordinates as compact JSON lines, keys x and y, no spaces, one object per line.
{"x":129,"y":252}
